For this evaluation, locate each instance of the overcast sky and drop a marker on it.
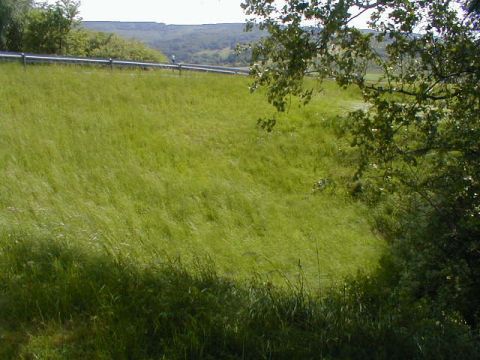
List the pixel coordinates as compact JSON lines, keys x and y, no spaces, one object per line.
{"x":170,"y":11}
{"x":166,"y":11}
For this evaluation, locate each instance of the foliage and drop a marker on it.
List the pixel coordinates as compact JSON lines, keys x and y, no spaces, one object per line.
{"x":12,"y":21}
{"x":419,"y":137}
{"x":49,"y":26}
{"x":105,"y":45}
{"x":54,"y":29}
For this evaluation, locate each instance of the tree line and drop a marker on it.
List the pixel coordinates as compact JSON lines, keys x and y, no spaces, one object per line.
{"x":28,"y":26}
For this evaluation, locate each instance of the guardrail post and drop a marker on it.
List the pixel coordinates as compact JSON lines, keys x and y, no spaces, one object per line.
{"x":180,"y":69}
{"x":111,"y":64}
{"x":24,"y":61}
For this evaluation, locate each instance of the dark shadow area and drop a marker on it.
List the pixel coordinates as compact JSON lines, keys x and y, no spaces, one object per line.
{"x":63,"y":301}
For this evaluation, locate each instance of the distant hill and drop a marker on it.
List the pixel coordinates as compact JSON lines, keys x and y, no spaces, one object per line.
{"x":207,"y":44}
{"x":212,"y":44}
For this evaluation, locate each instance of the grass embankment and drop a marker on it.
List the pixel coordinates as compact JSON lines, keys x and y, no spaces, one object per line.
{"x":154,"y":165}
{"x":108,"y":177}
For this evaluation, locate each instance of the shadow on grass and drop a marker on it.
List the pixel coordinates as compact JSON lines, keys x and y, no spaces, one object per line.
{"x":61,"y":301}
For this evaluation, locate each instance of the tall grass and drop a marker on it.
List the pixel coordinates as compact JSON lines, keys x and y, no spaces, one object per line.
{"x":143,"y":215}
{"x":153,"y":164}
{"x":60,"y":301}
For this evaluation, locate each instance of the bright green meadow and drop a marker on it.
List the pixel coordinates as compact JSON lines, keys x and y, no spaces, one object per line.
{"x":144,"y":215}
{"x":157,"y":166}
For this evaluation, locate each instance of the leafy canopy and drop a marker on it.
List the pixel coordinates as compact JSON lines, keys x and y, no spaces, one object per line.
{"x":49,"y":27}
{"x":12,"y":18}
{"x":419,"y":136}
{"x":55,"y":29}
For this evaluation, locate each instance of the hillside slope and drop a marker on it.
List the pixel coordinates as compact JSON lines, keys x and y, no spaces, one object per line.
{"x":152,"y":164}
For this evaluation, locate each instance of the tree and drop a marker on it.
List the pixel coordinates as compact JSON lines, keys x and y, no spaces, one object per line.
{"x":12,"y":21}
{"x":106,"y":45}
{"x":419,"y":137}
{"x":49,"y":27}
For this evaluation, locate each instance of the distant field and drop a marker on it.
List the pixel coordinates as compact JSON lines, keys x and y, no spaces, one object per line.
{"x":153,"y":165}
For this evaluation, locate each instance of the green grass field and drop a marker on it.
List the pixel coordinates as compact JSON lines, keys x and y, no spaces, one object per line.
{"x":144,"y":215}
{"x":152,"y":164}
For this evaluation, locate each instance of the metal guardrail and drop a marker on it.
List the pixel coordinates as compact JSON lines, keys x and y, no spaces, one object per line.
{"x":33,"y":58}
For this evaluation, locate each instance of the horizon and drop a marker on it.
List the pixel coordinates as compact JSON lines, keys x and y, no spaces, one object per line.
{"x":162,"y":23}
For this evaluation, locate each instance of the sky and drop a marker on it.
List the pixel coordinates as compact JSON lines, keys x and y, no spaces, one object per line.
{"x":165,"y":11}
{"x":170,"y":11}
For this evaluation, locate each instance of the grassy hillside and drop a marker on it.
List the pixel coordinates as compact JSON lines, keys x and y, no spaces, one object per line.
{"x":152,"y":164}
{"x":109,"y":176}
